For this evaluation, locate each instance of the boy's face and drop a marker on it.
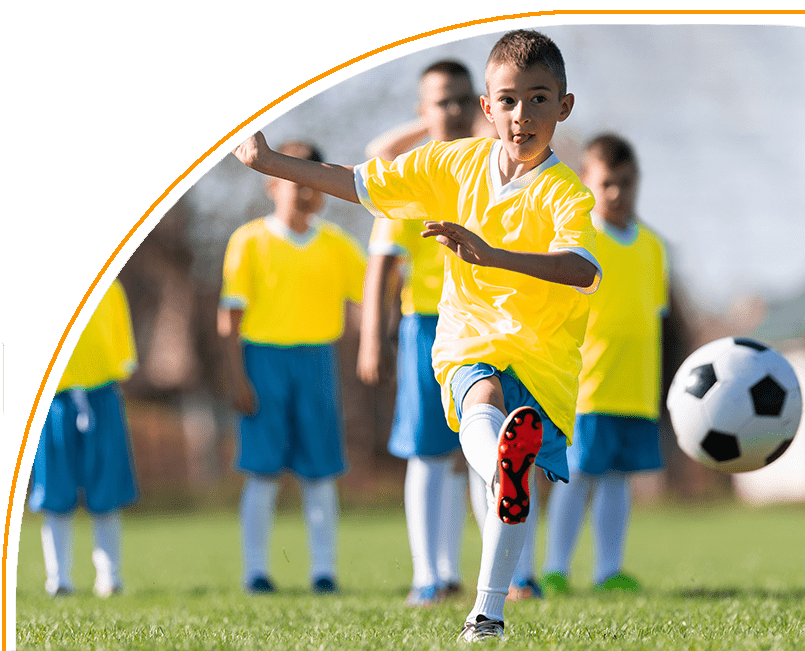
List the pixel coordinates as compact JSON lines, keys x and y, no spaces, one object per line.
{"x":448,"y":106}
{"x":294,"y":200}
{"x":524,"y":106}
{"x":614,"y":189}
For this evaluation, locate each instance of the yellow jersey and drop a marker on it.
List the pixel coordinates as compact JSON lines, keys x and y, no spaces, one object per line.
{"x":622,"y":348}
{"x":292,"y":288}
{"x":424,"y":259}
{"x":514,"y":322}
{"x":105,"y":351}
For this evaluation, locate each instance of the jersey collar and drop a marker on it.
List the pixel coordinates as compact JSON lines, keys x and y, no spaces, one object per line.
{"x":279,"y":229}
{"x":501,"y":191}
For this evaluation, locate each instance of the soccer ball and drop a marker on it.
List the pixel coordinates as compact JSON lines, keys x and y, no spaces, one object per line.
{"x":735,"y":405}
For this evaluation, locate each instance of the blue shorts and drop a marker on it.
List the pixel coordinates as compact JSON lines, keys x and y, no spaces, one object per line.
{"x":299,"y":424}
{"x":604,"y":442}
{"x":93,"y":466}
{"x":419,"y":428}
{"x":552,"y":457}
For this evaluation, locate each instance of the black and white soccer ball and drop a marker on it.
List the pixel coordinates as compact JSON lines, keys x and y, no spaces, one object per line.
{"x":735,"y":404}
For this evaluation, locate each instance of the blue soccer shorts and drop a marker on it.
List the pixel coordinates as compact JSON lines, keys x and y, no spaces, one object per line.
{"x":419,"y":427}
{"x":84,"y":454}
{"x":603,"y":442}
{"x":552,"y":457}
{"x":299,"y":423}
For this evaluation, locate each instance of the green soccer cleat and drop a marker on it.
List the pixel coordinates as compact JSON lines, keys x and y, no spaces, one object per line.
{"x":619,"y":582}
{"x":554,"y":583}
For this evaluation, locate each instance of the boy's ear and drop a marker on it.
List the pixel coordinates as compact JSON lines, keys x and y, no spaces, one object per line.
{"x":566,"y":106}
{"x":486,"y":107}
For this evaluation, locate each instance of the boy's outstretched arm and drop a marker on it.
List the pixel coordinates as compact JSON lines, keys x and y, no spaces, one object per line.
{"x":335,"y":180}
{"x":564,"y":267}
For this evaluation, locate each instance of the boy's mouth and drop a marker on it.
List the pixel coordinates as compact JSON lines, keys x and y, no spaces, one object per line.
{"x":520,"y":138}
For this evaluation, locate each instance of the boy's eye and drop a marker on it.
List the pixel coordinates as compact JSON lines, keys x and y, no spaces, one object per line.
{"x":538,"y":99}
{"x":506,"y":100}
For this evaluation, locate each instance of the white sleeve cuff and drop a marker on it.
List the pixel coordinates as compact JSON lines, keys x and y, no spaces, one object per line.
{"x":584,"y":253}
{"x":363,"y":194}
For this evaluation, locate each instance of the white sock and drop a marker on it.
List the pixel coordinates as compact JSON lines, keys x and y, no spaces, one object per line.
{"x":479,"y":433}
{"x":477,"y":497}
{"x":502,"y":546}
{"x":425,"y":480}
{"x":106,"y":534}
{"x":525,"y":565}
{"x":320,"y":505}
{"x":451,"y":526}
{"x":257,"y":507}
{"x":610,"y":510}
{"x":501,"y":543}
{"x":567,"y":505}
{"x":57,"y":548}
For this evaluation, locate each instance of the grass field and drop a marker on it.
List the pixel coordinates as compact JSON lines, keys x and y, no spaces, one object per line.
{"x":717,"y":577}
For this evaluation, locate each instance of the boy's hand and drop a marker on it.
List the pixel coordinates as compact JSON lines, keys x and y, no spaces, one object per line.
{"x":464,"y":243}
{"x":243,"y":396}
{"x":252,"y":150}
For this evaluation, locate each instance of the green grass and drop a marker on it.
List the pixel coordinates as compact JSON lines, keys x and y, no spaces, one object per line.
{"x":720,"y":577}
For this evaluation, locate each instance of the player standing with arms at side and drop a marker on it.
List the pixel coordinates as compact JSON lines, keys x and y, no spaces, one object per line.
{"x":513,"y":310}
{"x":617,"y":433}
{"x":84,"y":453}
{"x":287,"y":278}
{"x":435,"y":492}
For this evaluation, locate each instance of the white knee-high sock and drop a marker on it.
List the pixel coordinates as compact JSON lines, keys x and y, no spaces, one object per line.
{"x":525,"y":566}
{"x":451,"y":526}
{"x":502,"y":543}
{"x":610,"y":511}
{"x":501,"y":549}
{"x":479,"y":433}
{"x":477,"y":497}
{"x":320,"y":504}
{"x":57,"y":548}
{"x":425,"y":480}
{"x":567,"y":505}
{"x":257,"y":508}
{"x":107,"y":533}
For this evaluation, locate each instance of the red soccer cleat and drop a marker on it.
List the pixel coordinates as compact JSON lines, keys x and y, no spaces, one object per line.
{"x":518,"y":446}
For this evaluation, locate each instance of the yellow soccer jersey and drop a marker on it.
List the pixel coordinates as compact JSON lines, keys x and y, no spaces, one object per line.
{"x":105,"y":350}
{"x":621,"y":351}
{"x":512,"y":321}
{"x":292,"y":289}
{"x":425,"y":258}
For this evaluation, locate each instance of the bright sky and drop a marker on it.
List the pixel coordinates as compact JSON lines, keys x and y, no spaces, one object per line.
{"x":716,"y":113}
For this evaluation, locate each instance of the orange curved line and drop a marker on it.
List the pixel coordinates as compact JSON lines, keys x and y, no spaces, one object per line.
{"x":266,"y":108}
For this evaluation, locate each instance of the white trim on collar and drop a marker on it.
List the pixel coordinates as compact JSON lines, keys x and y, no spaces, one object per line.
{"x":501,"y":191}
{"x":279,"y":229}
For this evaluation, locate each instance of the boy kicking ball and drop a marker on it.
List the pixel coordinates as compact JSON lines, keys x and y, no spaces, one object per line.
{"x":513,"y":311}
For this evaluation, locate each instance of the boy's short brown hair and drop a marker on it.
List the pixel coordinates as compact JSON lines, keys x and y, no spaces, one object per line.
{"x":301,"y":149}
{"x":611,"y":149}
{"x":523,"y":48}
{"x":447,"y":67}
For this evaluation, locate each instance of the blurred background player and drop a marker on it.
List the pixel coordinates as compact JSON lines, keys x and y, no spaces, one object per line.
{"x":435,"y":491}
{"x":286,"y":280}
{"x":617,"y":431}
{"x":448,"y":109}
{"x":84,"y":450}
